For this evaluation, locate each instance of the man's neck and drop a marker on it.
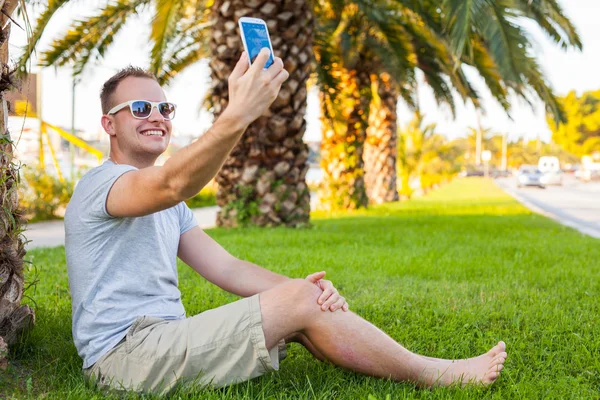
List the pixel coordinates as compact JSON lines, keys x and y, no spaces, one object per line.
{"x":121,"y":159}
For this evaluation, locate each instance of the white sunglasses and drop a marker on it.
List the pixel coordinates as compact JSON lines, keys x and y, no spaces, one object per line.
{"x":141,"y":109}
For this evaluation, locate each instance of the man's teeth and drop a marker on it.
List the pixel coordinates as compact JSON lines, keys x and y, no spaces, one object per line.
{"x":152,"y":133}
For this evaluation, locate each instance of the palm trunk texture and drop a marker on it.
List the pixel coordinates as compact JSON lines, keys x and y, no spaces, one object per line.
{"x":381,"y":145}
{"x":263,"y":180}
{"x":14,"y":317}
{"x":344,"y":133}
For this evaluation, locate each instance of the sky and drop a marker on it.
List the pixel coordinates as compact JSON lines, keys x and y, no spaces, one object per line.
{"x":565,"y":71}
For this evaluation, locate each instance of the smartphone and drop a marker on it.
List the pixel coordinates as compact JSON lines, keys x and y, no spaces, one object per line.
{"x":255,"y":36}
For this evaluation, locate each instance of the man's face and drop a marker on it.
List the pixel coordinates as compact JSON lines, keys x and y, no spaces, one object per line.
{"x":132,"y":134}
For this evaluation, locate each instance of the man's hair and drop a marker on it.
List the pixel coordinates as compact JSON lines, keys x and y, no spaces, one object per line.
{"x":110,"y":86}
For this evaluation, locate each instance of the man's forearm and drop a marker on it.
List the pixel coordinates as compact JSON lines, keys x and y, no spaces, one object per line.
{"x":196,"y":164}
{"x":246,"y":279}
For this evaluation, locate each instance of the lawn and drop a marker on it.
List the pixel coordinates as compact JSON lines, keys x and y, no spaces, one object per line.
{"x":447,"y":276}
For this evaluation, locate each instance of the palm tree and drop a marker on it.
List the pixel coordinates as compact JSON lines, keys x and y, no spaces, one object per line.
{"x":415,"y":141}
{"x":486,"y":35}
{"x":390,"y":41}
{"x":343,"y":139}
{"x":14,"y":317}
{"x":426,"y":155}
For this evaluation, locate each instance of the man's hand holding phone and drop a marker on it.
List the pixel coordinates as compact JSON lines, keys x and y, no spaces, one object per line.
{"x":253,"y":89}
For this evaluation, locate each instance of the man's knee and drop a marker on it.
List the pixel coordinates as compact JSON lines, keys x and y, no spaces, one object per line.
{"x":298,"y":295}
{"x":305,"y":292}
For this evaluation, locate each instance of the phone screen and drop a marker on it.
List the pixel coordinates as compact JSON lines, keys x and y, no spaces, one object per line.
{"x":256,"y":37}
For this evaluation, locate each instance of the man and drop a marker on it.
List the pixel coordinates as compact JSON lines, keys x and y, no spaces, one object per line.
{"x":127,"y":223}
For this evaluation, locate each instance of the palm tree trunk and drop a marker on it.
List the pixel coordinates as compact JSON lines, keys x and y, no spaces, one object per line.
{"x":263,"y":180}
{"x":380,"y":147}
{"x":14,"y":317}
{"x":344,"y":133}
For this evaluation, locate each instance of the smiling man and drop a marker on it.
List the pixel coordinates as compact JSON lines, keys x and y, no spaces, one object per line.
{"x":127,"y":223}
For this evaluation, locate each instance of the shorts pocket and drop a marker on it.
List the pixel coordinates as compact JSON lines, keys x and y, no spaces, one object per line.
{"x":139,"y":331}
{"x":130,"y":341}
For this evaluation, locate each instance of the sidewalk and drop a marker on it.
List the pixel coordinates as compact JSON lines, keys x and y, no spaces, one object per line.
{"x":52,"y":233}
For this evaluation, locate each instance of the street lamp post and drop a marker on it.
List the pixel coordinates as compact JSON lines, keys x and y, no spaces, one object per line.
{"x":504,"y":151}
{"x":486,"y":156}
{"x":71,"y":145}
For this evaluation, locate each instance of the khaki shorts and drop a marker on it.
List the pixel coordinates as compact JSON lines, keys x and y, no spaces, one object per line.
{"x":218,"y":347}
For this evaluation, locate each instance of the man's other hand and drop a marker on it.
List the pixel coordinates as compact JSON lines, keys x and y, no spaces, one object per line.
{"x":330,"y":298}
{"x":253,"y":89}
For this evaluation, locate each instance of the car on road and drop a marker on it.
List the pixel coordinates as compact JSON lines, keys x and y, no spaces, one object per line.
{"x":471,"y":172}
{"x":591,"y":175}
{"x":501,"y":174}
{"x":549,"y":166}
{"x":552,"y":178}
{"x":530,"y":175}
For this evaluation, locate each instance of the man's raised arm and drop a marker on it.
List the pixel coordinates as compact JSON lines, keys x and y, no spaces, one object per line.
{"x":148,"y":190}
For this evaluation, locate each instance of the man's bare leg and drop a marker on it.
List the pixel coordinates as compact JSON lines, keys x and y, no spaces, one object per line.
{"x":303,"y":340}
{"x":350,"y":342}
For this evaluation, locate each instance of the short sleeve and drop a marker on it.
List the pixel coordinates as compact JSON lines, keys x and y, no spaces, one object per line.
{"x":95,"y":188}
{"x":187,"y":220}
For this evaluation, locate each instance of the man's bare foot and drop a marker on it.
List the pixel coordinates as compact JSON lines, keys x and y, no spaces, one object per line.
{"x":484,"y":369}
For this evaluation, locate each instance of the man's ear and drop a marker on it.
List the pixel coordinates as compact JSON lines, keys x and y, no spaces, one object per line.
{"x":108,"y":123}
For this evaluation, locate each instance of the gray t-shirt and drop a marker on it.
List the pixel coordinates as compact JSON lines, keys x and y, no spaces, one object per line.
{"x":119,"y":268}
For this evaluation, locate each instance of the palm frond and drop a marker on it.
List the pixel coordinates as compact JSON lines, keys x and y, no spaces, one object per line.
{"x":465,"y":89}
{"x":441,"y":90}
{"x":549,"y":15}
{"x":389,"y":28}
{"x":535,"y":79}
{"x":506,"y":41}
{"x":40,"y":25}
{"x":488,"y":70}
{"x":400,"y":69}
{"x":90,"y":37}
{"x":328,"y":60}
{"x":459,"y":24}
{"x":191,"y":46}
{"x":167,"y":14}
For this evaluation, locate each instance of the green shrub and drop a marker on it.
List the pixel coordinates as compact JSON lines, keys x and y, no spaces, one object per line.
{"x":206,"y":198}
{"x":42,"y":195}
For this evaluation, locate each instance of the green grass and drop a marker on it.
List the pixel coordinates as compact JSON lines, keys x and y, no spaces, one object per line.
{"x":447,"y":276}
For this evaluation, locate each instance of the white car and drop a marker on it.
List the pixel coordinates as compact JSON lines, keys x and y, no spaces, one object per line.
{"x":529,"y":175}
{"x":552,"y":178}
{"x":549,"y":166}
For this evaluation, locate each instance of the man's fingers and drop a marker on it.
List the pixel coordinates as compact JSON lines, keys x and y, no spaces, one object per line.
{"x":331,"y":300}
{"x":280,"y":78}
{"x":313,"y":278}
{"x":325,"y":295}
{"x":261,"y":60}
{"x":240,"y":68}
{"x":345,"y":307}
{"x":339,"y":304}
{"x":274,"y":69}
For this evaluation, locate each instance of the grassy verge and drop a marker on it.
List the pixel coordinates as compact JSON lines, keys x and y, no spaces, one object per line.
{"x":447,"y":276}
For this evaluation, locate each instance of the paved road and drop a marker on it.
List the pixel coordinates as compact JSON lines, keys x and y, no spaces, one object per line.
{"x":52,"y":233}
{"x":575,"y":204}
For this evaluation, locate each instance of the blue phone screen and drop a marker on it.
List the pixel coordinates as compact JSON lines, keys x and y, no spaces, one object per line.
{"x":256,"y":38}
